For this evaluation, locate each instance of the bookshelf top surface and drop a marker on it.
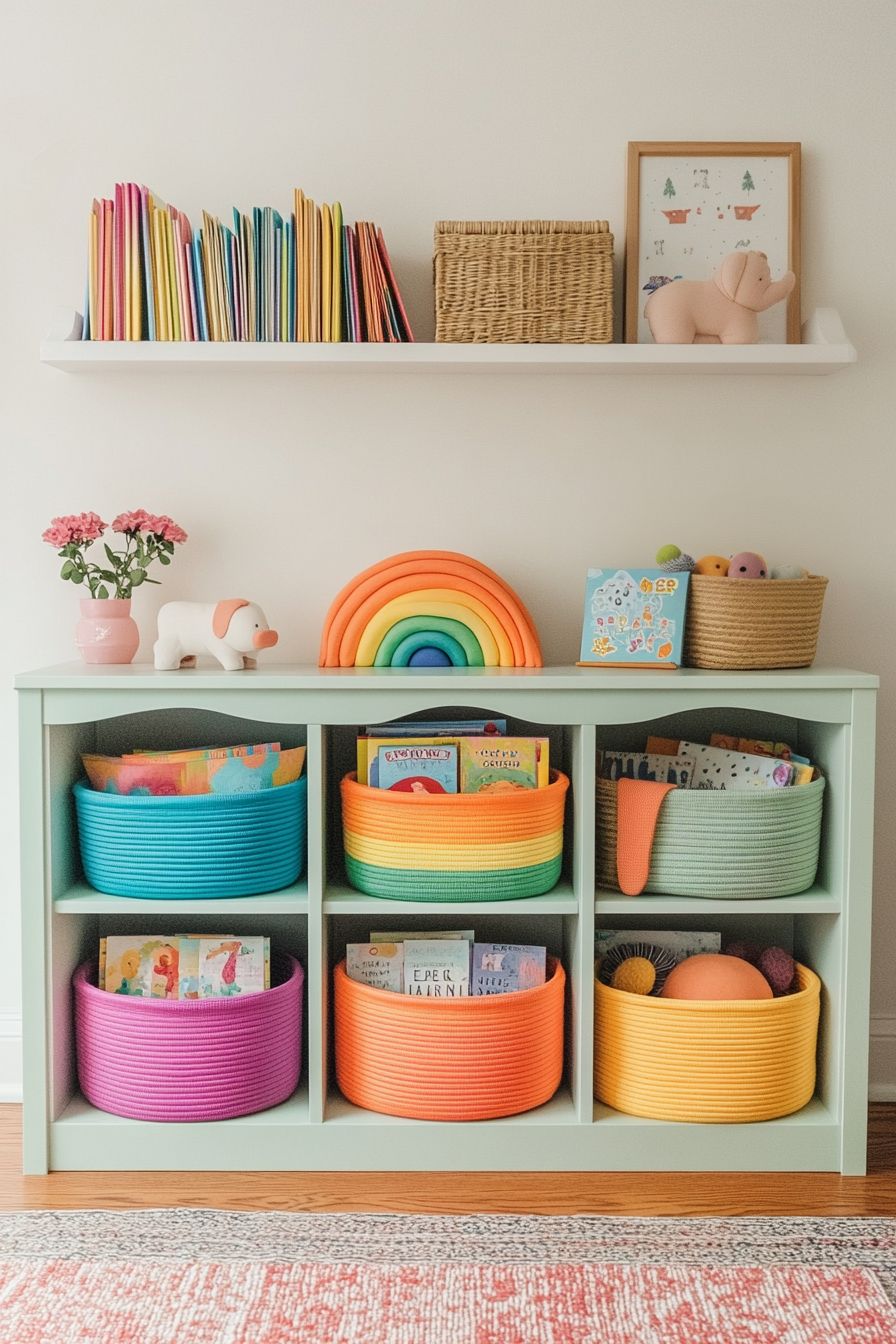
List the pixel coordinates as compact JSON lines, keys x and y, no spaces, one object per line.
{"x":305,"y":677}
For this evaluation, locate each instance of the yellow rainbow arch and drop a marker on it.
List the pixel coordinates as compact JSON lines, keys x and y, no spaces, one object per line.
{"x":470,"y":610}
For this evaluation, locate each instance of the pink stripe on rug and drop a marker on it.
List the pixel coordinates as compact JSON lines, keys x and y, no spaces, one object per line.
{"x":269,"y":1303}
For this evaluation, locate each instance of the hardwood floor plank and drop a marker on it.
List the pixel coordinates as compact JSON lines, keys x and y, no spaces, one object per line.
{"x":636,"y":1193}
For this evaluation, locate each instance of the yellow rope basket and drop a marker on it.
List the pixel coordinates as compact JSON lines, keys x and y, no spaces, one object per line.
{"x":707,"y":1062}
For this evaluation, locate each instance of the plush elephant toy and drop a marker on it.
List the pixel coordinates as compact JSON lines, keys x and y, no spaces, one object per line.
{"x":230,"y":631}
{"x":723,"y":309}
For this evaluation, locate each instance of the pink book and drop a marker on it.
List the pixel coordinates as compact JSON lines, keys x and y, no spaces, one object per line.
{"x":118,"y":265}
{"x":393,"y":284}
{"x":126,"y":260}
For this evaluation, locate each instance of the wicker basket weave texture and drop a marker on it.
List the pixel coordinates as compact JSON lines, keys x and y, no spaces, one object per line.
{"x":521,"y":281}
{"x":453,"y":847}
{"x":472,"y":1058}
{"x":752,"y":623}
{"x":724,"y":845}
{"x":674,"y":1059}
{"x":185,"y":1060}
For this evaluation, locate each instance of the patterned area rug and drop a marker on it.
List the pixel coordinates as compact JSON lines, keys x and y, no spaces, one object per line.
{"x":208,"y":1277}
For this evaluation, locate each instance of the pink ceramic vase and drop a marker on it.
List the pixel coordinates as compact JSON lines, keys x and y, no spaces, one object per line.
{"x":106,"y":632}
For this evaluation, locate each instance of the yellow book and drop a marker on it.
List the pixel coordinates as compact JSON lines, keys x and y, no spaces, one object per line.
{"x":307,"y":266}
{"x":336,"y":287}
{"x":209,"y":261}
{"x":159,"y":277}
{"x":154,"y":267}
{"x":93,"y":272}
{"x":326,"y":271}
{"x":284,"y":285}
{"x":299,"y":206}
{"x":173,"y":288}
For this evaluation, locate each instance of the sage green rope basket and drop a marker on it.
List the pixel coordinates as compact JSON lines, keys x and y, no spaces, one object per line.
{"x":724,"y":844}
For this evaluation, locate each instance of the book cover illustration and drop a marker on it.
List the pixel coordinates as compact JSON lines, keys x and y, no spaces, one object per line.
{"x":633,"y":617}
{"x":498,"y":765}
{"x":368,"y":749}
{"x":716,"y":768}
{"x":803,"y":769}
{"x":505,"y":968}
{"x":140,"y":965}
{"x":379,"y":963}
{"x":437,"y":968}
{"x":203,"y":771}
{"x":407,"y":769}
{"x":679,"y":943}
{"x":678,"y":770}
{"x":231,"y":966}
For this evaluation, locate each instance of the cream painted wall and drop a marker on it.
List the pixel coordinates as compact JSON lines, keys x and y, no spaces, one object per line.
{"x":410,"y":112}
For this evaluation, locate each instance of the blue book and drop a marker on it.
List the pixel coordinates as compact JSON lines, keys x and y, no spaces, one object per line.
{"x":199,"y":281}
{"x":417,"y":769}
{"x":504,"y":968}
{"x":276,"y":272}
{"x":633,"y":618}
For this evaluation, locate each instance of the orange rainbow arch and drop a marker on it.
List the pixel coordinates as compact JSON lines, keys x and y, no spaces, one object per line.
{"x":429,"y":607}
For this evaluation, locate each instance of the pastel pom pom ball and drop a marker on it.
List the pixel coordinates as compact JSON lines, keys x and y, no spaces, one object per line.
{"x":789,"y":572}
{"x":636,"y":975}
{"x":667,"y":553}
{"x":779,"y":968}
{"x":713,"y":566}
{"x":674,"y":560}
{"x":747,"y":565}
{"x":712,"y":975}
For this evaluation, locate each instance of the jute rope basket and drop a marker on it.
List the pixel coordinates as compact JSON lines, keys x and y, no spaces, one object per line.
{"x":723,"y":845}
{"x":706,"y":1062}
{"x":524,"y":280}
{"x":752,"y":623}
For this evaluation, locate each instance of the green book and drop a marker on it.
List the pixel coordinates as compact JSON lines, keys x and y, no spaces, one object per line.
{"x":498,"y":765}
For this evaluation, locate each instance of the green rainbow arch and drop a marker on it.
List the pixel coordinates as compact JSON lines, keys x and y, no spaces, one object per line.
{"x":430,"y":626}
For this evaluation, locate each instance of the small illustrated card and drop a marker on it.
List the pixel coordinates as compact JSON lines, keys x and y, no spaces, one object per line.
{"x":633,"y":618}
{"x":421,"y":934}
{"x":716,"y":768}
{"x":499,"y":765}
{"x":232,"y":966}
{"x":437,"y":968}
{"x":378,"y":963}
{"x":646,"y":765}
{"x":504,"y":968}
{"x":679,"y":944}
{"x":408,"y":769}
{"x":802,"y":766}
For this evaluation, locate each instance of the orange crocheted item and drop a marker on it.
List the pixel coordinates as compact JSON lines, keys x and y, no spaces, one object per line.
{"x":638,"y":803}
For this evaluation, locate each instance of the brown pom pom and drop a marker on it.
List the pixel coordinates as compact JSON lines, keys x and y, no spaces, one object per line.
{"x":779,"y":969}
{"x":746,"y":951}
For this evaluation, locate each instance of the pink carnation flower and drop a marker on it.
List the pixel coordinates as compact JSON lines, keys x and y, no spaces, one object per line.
{"x":165,"y":527}
{"x":74,"y":527}
{"x":135,"y":521}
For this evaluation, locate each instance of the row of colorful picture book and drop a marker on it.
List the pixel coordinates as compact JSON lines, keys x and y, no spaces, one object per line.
{"x":725,"y":762}
{"x":451,"y":756}
{"x":184,"y":966}
{"x":303,"y":276}
{"x":447,"y":964}
{"x":246,"y":768}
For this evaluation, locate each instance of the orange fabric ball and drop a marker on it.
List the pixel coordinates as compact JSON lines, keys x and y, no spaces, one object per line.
{"x":716,"y":566}
{"x":711,"y":975}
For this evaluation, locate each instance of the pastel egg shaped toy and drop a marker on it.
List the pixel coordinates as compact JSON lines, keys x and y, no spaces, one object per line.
{"x":789,"y":572}
{"x":747,"y":565}
{"x":712,"y":975}
{"x":713,"y":566}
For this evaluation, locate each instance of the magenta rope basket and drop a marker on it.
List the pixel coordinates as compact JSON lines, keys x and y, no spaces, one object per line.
{"x":189,"y":1059}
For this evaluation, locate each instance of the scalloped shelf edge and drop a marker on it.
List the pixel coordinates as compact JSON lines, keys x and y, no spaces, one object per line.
{"x":825,"y":348}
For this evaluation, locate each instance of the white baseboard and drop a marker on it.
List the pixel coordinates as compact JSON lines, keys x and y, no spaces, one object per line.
{"x":10,"y":1057}
{"x":881,"y":1072}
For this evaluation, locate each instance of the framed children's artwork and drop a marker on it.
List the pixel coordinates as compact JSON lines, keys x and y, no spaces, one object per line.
{"x":688,"y":205}
{"x":633,"y":618}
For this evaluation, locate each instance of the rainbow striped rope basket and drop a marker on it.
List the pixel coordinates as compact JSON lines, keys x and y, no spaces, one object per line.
{"x":453,"y":847}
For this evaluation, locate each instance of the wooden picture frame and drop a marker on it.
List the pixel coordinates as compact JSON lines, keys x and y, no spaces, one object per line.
{"x":696,"y":254}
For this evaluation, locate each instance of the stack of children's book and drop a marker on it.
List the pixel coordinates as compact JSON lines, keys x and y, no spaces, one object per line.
{"x":451,"y":756}
{"x":444,"y":964}
{"x":725,"y":762}
{"x":247,"y":768}
{"x":184,"y":966}
{"x":303,"y":276}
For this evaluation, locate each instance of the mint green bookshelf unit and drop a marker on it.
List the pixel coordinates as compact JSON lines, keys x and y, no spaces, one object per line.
{"x":65,"y":710}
